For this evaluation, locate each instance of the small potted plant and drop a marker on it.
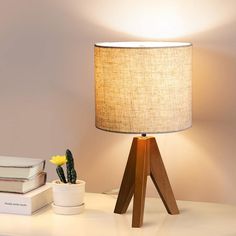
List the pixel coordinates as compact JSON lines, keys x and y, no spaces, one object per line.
{"x":68,"y":191}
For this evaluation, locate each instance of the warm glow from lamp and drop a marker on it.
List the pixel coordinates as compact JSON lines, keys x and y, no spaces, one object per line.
{"x":156,"y":19}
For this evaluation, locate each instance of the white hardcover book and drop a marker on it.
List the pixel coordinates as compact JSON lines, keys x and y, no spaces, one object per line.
{"x":20,"y":167}
{"x":17,"y":185}
{"x":26,"y":204}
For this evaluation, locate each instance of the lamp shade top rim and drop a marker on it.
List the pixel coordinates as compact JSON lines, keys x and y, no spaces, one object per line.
{"x":142,"y":44}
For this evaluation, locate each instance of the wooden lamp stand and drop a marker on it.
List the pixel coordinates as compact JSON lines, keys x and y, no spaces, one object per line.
{"x":144,"y":159}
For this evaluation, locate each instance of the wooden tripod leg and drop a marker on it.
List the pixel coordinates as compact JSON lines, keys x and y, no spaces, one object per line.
{"x":127,"y":185}
{"x":141,"y":172}
{"x":160,"y":179}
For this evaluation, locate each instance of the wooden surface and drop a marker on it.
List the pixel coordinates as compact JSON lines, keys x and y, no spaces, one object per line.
{"x":144,"y":159}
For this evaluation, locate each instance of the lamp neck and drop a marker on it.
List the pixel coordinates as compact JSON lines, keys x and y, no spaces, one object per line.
{"x":143,"y":135}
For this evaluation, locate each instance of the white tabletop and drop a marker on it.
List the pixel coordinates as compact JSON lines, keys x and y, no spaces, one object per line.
{"x":98,"y":219}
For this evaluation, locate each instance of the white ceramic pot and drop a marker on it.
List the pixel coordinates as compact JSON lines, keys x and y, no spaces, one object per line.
{"x":68,"y":195}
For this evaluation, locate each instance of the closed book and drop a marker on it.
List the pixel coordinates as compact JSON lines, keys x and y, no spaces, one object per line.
{"x":16,"y":185}
{"x":26,"y":204}
{"x":20,"y":167}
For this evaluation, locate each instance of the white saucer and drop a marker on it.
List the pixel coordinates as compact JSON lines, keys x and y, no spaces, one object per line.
{"x":74,"y":210}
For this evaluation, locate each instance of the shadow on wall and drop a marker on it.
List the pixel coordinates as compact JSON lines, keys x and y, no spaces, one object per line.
{"x":210,"y":170}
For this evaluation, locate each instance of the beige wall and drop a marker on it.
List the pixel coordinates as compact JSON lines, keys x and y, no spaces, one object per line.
{"x":47,"y":88}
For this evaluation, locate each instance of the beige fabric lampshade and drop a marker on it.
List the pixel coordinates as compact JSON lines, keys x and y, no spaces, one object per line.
{"x":143,"y":87}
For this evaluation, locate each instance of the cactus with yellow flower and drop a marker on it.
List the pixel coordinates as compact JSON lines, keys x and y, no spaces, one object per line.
{"x":67,"y":159}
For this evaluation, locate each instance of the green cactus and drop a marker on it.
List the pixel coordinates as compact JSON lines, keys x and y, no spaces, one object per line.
{"x":73,"y":176}
{"x":71,"y":173}
{"x":61,"y":174}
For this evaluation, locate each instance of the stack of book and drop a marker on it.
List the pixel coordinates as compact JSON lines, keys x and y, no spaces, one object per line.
{"x":23,"y":188}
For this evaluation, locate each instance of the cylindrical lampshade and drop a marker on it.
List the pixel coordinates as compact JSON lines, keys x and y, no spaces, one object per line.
{"x":143,"y":87}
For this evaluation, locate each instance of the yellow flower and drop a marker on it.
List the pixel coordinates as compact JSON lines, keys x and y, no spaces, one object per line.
{"x":58,"y":160}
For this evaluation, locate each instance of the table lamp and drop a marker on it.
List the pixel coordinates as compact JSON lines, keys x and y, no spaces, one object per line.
{"x":143,"y":88}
